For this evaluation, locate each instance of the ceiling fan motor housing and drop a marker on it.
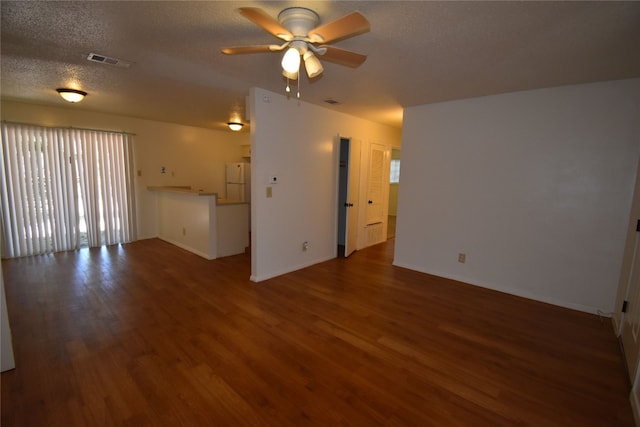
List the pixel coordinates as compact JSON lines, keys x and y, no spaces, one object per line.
{"x":299,"y":20}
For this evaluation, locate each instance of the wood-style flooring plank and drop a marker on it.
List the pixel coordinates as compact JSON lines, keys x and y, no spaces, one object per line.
{"x":147,"y":334}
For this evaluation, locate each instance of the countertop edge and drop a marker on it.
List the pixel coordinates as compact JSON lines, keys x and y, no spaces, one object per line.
{"x":181,"y":189}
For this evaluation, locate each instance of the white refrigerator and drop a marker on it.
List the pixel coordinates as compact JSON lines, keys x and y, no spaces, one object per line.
{"x":238,"y":181}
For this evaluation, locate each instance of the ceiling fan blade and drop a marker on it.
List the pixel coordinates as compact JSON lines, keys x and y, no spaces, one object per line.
{"x":260,"y":18}
{"x":343,"y":57}
{"x":347,"y":26}
{"x":237,"y":50}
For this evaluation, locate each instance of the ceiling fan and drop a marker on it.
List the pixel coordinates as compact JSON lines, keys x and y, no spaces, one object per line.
{"x":298,"y":27}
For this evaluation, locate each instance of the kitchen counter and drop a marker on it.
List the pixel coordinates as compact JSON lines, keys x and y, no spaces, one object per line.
{"x":188,"y":190}
{"x":224,"y":202}
{"x":201,"y":223}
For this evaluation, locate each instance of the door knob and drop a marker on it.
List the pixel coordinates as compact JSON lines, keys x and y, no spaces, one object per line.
{"x":370,"y":202}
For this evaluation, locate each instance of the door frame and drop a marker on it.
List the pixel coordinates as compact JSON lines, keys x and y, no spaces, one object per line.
{"x":629,"y":280}
{"x":393,"y":150}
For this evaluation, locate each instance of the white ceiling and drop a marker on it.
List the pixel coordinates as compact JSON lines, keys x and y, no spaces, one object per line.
{"x":418,"y":53}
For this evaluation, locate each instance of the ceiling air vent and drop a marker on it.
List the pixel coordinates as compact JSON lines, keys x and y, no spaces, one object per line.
{"x":103,"y":59}
{"x":332,"y":101}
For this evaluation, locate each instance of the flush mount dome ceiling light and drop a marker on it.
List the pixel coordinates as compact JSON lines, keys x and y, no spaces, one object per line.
{"x":71,"y":95}
{"x":235,"y":126}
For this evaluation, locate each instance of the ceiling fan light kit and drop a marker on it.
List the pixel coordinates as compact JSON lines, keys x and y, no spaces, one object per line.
{"x":312,"y":65}
{"x":71,"y":95}
{"x":291,"y":60}
{"x":290,"y":76}
{"x":298,"y":28}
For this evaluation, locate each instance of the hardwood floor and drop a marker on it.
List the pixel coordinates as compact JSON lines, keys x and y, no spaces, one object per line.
{"x":147,"y":334}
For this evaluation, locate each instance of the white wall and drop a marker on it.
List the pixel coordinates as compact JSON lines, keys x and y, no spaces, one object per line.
{"x":298,"y":142}
{"x":393,"y":199}
{"x":7,"y":360}
{"x":192,"y":156}
{"x":188,"y":221}
{"x":535,"y":187}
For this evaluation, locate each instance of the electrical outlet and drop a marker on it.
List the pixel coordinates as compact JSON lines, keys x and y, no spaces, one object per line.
{"x":462,"y":257}
{"x":305,"y":246}
{"x":184,"y":231}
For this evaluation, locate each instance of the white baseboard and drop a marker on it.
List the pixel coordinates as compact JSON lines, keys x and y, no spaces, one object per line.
{"x":188,"y":248}
{"x":506,"y":290}
{"x":260,"y":278}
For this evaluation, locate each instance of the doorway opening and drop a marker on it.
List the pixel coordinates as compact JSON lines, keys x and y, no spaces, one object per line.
{"x":394,"y":183}
{"x":348,"y":185}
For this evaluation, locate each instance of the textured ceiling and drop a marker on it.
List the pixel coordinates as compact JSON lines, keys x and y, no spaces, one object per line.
{"x":418,"y":53}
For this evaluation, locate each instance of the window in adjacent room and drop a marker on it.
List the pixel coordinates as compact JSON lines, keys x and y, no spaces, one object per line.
{"x":394,"y":177}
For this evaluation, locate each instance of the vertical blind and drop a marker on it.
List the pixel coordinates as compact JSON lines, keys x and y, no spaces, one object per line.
{"x":63,"y":188}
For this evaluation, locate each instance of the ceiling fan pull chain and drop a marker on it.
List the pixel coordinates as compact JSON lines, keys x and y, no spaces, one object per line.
{"x":298,"y":85}
{"x":287,"y":89}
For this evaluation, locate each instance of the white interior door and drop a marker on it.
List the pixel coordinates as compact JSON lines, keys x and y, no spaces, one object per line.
{"x":376,"y":184}
{"x":377,"y":187}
